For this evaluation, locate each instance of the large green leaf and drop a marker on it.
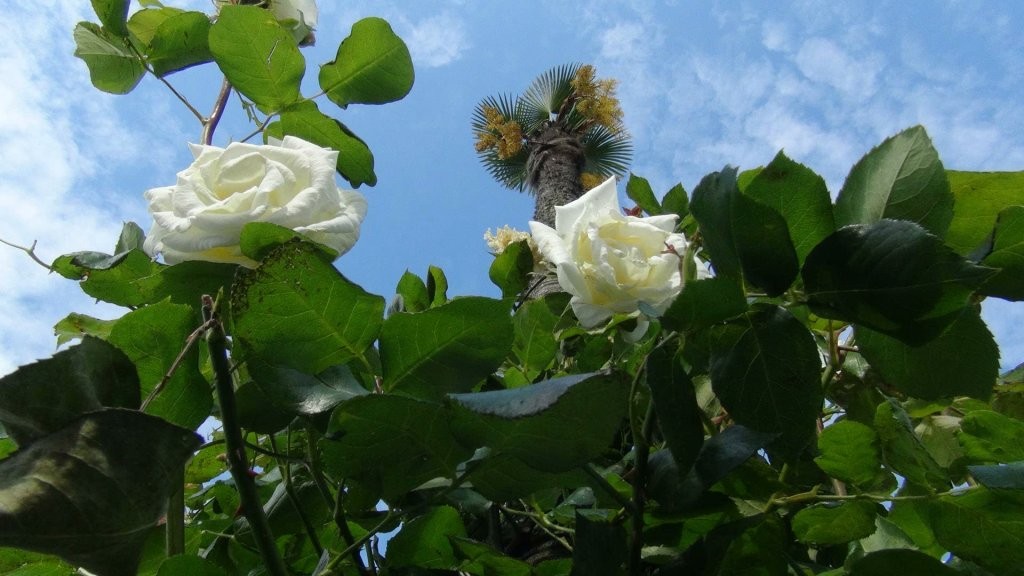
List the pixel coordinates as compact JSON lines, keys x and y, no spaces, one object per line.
{"x":298,"y":310}
{"x":639,"y":190}
{"x":501,"y":478}
{"x":302,"y":393}
{"x":413,"y":291}
{"x":765,"y":369}
{"x":259,"y":239}
{"x":800,"y":196}
{"x":305,"y":120}
{"x":534,"y":323}
{"x":43,"y":397}
{"x":991,"y":437}
{"x":600,"y":546}
{"x":450,"y":348}
{"x":743,"y":234}
{"x":900,"y":562}
{"x":903,"y":451}
{"x":143,"y":23}
{"x":373,"y":66}
{"x":75,"y":325}
{"x":999,"y":476}
{"x":826,"y":524}
{"x":257,"y":55}
{"x":153,"y":337}
{"x":900,"y":179}
{"x":92,"y":491}
{"x":481,"y":559}
{"x":391,"y":444}
{"x":425,"y":542}
{"x":675,"y":404}
{"x":112,"y":14}
{"x":850,"y":452}
{"x":112,"y":66}
{"x":893,"y":277}
{"x":755,"y":552}
{"x":178,"y":42}
{"x":511,"y":269}
{"x":982,"y":527}
{"x":1007,"y":256}
{"x":705,"y":302}
{"x":980,"y":197}
{"x":572,"y":417}
{"x":963,"y":361}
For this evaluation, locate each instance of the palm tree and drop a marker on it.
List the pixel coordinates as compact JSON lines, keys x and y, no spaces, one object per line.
{"x":561,"y":137}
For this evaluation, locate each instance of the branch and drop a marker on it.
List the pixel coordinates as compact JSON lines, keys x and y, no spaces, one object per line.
{"x":189,"y":342}
{"x":210,"y":124}
{"x":31,"y":251}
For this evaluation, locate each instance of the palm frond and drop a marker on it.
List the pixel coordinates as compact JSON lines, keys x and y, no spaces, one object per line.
{"x":510,"y":171}
{"x":607,"y":153}
{"x":546,"y":94}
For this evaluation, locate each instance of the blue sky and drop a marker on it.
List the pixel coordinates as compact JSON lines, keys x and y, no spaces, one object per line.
{"x":702,"y":84}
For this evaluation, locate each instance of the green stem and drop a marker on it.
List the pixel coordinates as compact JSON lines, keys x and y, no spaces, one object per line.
{"x":175,"y":527}
{"x":252,"y":508}
{"x":210,"y":124}
{"x":342,"y":523}
{"x":623,"y":501}
{"x":289,"y":488}
{"x":813,"y":496}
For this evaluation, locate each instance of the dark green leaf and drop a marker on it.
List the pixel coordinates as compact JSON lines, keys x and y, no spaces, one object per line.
{"x":991,"y":437}
{"x":76,"y":325}
{"x":178,"y":42}
{"x":826,"y":524}
{"x":573,"y":418}
{"x":303,"y":393}
{"x":450,"y":348}
{"x":502,"y":478}
{"x":437,"y":286}
{"x":705,"y":302}
{"x":963,"y":361}
{"x":415,"y":436}
{"x":257,"y":412}
{"x":92,"y":491}
{"x":153,"y":337}
{"x":257,"y":55}
{"x":425,"y":542}
{"x":600,"y":547}
{"x":800,"y":197}
{"x":898,"y":562}
{"x":903,"y":451}
{"x":913,"y":518}
{"x":765,"y":370}
{"x":298,"y":309}
{"x":639,"y":190}
{"x":1007,"y":256}
{"x":981,"y":527}
{"x":258,"y":239}
{"x":676,"y":202}
{"x":755,"y":552}
{"x":43,"y":397}
{"x":980,"y":197}
{"x":511,"y":269}
{"x":892,"y":277}
{"x":900,"y":179}
{"x":1000,"y":476}
{"x":484,"y":560}
{"x":112,"y":66}
{"x":675,"y":404}
{"x":534,"y":325}
{"x":849,"y":452}
{"x":191,"y":565}
{"x":413,"y":291}
{"x":373,"y":66}
{"x":304,"y":119}
{"x":131,"y":238}
{"x":711,"y":206}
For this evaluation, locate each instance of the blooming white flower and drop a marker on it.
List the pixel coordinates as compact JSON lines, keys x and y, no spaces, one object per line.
{"x":610,"y":262}
{"x":288,"y":182}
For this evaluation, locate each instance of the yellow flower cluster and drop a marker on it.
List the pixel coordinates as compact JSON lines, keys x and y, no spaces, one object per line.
{"x":500,"y":133}
{"x":591,"y":180}
{"x":596,"y":99}
{"x":501,"y":238}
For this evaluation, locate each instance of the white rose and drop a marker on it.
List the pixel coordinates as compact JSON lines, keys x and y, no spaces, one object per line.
{"x":289,"y":183}
{"x":610,"y":262}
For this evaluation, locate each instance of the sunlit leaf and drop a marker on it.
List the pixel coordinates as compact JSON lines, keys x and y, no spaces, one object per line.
{"x":112,"y":14}
{"x":981,"y":527}
{"x":826,"y":524}
{"x":178,"y":42}
{"x":112,"y":66}
{"x":373,"y":66}
{"x":639,"y":190}
{"x":980,"y":197}
{"x":1007,"y":256}
{"x":849,"y":452}
{"x":425,"y":542}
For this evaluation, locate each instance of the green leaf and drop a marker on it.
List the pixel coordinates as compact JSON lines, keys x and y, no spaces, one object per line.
{"x":600,"y":546}
{"x":501,"y":477}
{"x":259,"y":239}
{"x":131,"y":238}
{"x":484,"y":560}
{"x":765,"y":370}
{"x":897,"y":562}
{"x":511,"y":269}
{"x":990,"y":437}
{"x":304,"y":119}
{"x":425,"y":542}
{"x":92,"y":491}
{"x":373,"y":66}
{"x":113,"y":15}
{"x":850,"y":452}
{"x":903,"y":451}
{"x":892,"y":277}
{"x":1007,"y":256}
{"x":639,"y":190}
{"x":534,"y":323}
{"x":825,"y":524}
{"x":153,"y":337}
{"x":1000,"y":476}
{"x":413,"y":291}
{"x":981,"y":527}
{"x":143,"y":23}
{"x":705,"y":302}
{"x":43,"y":397}
{"x":755,"y":552}
{"x":302,"y":393}
{"x":112,"y":66}
{"x":416,"y":436}
{"x":800,"y":196}
{"x":744,"y":234}
{"x":450,"y":348}
{"x":257,"y":412}
{"x":258,"y":56}
{"x":437,"y":286}
{"x":298,"y":309}
{"x":572,"y":417}
{"x":675,"y":404}
{"x":963,"y":361}
{"x":178,"y":42}
{"x":75,"y":325}
{"x":676,"y":202}
{"x":191,"y":565}
{"x":900,"y":179}
{"x":980,"y":197}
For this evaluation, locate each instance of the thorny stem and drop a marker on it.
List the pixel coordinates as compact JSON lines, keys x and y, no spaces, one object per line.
{"x":252,"y":508}
{"x":31,"y":251}
{"x":342,"y":523}
{"x":642,"y":447}
{"x":289,"y":488}
{"x":189,"y":342}
{"x":813,"y":496}
{"x":210,"y":124}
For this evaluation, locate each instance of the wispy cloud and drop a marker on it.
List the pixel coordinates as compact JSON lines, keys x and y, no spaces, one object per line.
{"x":436,"y":40}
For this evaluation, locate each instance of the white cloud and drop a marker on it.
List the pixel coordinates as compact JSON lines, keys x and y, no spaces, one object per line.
{"x":436,"y":40}
{"x":853,"y":76}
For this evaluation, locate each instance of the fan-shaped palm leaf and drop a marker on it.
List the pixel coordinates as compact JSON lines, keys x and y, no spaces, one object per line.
{"x":545,"y":96}
{"x":607,"y":153}
{"x":510,"y":171}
